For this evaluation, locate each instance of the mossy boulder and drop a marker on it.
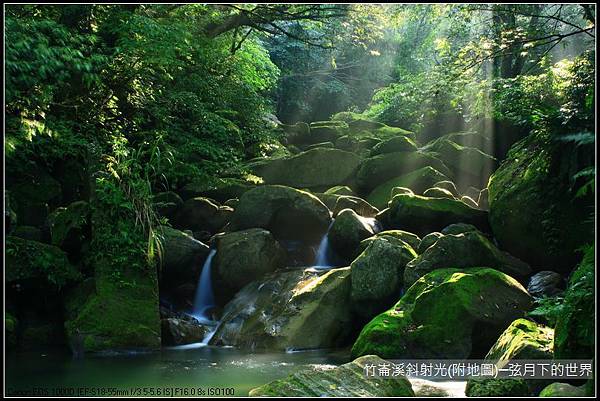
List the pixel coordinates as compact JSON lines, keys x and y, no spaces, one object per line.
{"x":181,"y":256}
{"x":315,"y":168}
{"x":522,"y":340}
{"x":286,"y":212}
{"x":376,"y":170}
{"x":574,"y":333}
{"x":32,"y":260}
{"x":423,"y":215}
{"x":294,"y":309}
{"x":533,"y":214}
{"x":400,"y":143}
{"x":377,"y":274}
{"x":202,"y":214}
{"x":448,"y":313}
{"x":219,"y":189}
{"x":340,"y":190}
{"x":245,"y":256}
{"x":467,"y":200}
{"x":417,"y":181}
{"x":348,"y":230}
{"x":323,"y":131}
{"x":328,"y":145}
{"x":564,"y":390}
{"x":297,"y":133}
{"x":166,"y":204}
{"x":458,"y":228}
{"x":428,"y":241}
{"x":179,"y":331}
{"x":438,"y":193}
{"x":469,"y":249}
{"x":359,"y":205}
{"x":347,"y":380}
{"x":447,"y":185}
{"x":497,"y":388}
{"x":411,"y":239}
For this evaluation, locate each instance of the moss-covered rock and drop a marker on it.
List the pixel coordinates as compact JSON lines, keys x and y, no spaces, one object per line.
{"x":532,"y":212}
{"x":347,"y":380}
{"x":295,"y":309}
{"x":340,"y":190}
{"x":458,"y":228}
{"x":447,"y":185}
{"x":497,"y":388}
{"x":181,"y":256}
{"x":27,"y":260}
{"x":564,"y":390}
{"x":376,"y":170}
{"x":219,"y":189}
{"x":400,"y":143}
{"x":359,"y":205}
{"x":68,"y":227}
{"x":322,"y":131}
{"x":166,"y":204}
{"x":470,"y":249}
{"x":348,"y":230}
{"x":328,"y":145}
{"x":286,"y":212}
{"x":411,"y":239}
{"x":574,"y":333}
{"x":448,"y":313}
{"x":316,"y":168}
{"x":428,"y":241}
{"x":297,"y":133}
{"x":202,"y":214}
{"x":245,"y":256}
{"x":417,"y":181}
{"x":377,"y":274}
{"x":523,"y":339}
{"x":423,"y":215}
{"x":438,"y":193}
{"x":467,"y":200}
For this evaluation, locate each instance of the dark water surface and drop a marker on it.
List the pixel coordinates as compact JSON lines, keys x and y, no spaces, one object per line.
{"x":199,"y":370}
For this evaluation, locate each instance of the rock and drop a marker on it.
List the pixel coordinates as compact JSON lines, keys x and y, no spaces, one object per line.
{"x":470,"y":165}
{"x":316,"y":168}
{"x":472,"y":193}
{"x":546,"y":284}
{"x":328,"y":145}
{"x":182,"y":256}
{"x":376,"y":170}
{"x":395,"y":144}
{"x":482,"y":199}
{"x":417,"y":181}
{"x":202,"y":214}
{"x":324,"y":131}
{"x":469,"y":201}
{"x":377,"y":275}
{"x":340,"y":190}
{"x":32,"y":260}
{"x":470,"y":249}
{"x":347,"y":380}
{"x":348,"y":230}
{"x":422,"y":215}
{"x":297,"y":133}
{"x":295,"y":309}
{"x":523,"y":340}
{"x":179,"y":332}
{"x":69,"y":227}
{"x":497,"y":388}
{"x":359,"y":205}
{"x":28,"y":232}
{"x":232,"y":203}
{"x":219,"y":189}
{"x":286,"y":212}
{"x":401,"y":191}
{"x":429,"y":240}
{"x":574,"y":332}
{"x":564,"y":390}
{"x":438,"y":193}
{"x":447,"y":185}
{"x":411,"y":239}
{"x":362,"y":124}
{"x":446,"y":314}
{"x":167,"y":203}
{"x":471,"y":139}
{"x":245,"y":256}
{"x":458,"y":228}
{"x":532,"y":212}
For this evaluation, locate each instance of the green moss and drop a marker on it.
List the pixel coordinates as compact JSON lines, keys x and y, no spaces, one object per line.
{"x":69,"y":219}
{"x":523,"y":339}
{"x":497,"y":388}
{"x":564,"y":390}
{"x":411,"y":239}
{"x":436,"y":316}
{"x":27,"y":259}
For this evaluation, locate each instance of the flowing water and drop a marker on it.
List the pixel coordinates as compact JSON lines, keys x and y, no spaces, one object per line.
{"x":205,"y":300}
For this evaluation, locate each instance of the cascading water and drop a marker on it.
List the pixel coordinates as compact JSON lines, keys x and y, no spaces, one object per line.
{"x":204,"y":300}
{"x":324,"y":259}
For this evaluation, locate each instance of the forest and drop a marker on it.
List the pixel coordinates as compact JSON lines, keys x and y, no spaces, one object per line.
{"x":266,"y":199}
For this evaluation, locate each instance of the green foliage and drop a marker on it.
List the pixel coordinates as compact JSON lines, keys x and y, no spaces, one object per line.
{"x":547,"y":310}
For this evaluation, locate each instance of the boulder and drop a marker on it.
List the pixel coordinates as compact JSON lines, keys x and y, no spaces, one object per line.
{"x":469,"y":201}
{"x":497,"y":388}
{"x":447,"y":185}
{"x":340,"y":190}
{"x":482,"y":199}
{"x":400,"y":143}
{"x":181,"y":255}
{"x":167,"y":203}
{"x":429,"y":240}
{"x":295,"y":309}
{"x":532,"y":211}
{"x":470,"y":249}
{"x":422,"y":215}
{"x":448,"y":313}
{"x":316,"y":168}
{"x":328,"y":145}
{"x":297,"y":133}
{"x":348,"y":380}
{"x":401,"y":191}
{"x":417,"y":181}
{"x":564,"y":390}
{"x":522,"y":340}
{"x":458,"y":228}
{"x":411,"y":239}
{"x":546,"y":284}
{"x":245,"y":256}
{"x":359,"y":205}
{"x":348,"y":230}
{"x":202,"y":214}
{"x":438,"y":193}
{"x":377,"y":275}
{"x":219,"y":189}
{"x":286,"y":212}
{"x":178,"y":331}
{"x":376,"y":170}
{"x":325,"y":131}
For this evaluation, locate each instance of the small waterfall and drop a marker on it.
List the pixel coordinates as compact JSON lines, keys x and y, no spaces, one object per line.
{"x":324,"y":259}
{"x":205,"y":299}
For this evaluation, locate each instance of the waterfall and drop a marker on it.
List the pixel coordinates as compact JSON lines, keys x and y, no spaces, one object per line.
{"x":205,"y":299}
{"x":324,"y":259}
